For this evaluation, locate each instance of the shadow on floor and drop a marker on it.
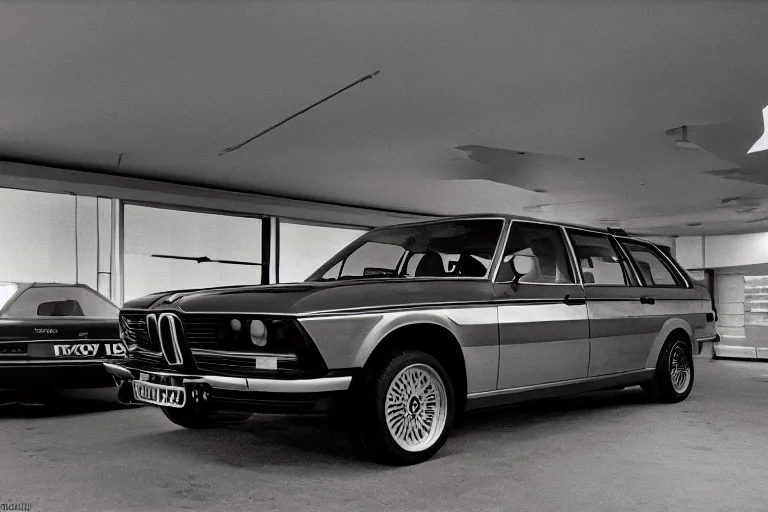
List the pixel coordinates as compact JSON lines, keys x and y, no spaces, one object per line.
{"x":527,"y":414}
{"x":56,"y":403}
{"x":274,"y":441}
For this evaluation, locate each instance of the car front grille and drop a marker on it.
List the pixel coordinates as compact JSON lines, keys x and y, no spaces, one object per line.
{"x":134,"y":329}
{"x":148,"y":360}
{"x":218,"y":349}
{"x":202,"y":331}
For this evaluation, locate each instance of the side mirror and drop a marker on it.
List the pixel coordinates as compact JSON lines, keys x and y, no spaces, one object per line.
{"x":521,"y":265}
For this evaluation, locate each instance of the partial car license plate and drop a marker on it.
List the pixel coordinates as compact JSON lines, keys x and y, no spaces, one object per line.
{"x":159,"y":394}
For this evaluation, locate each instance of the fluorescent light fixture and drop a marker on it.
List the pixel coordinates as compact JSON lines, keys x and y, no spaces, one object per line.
{"x":762,"y":142}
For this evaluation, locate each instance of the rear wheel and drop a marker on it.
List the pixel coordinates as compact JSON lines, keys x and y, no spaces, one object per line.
{"x":673,"y":379}
{"x":408,"y":408}
{"x":189,"y":418}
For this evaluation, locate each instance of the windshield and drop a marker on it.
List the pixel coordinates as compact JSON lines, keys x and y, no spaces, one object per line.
{"x":459,"y":248}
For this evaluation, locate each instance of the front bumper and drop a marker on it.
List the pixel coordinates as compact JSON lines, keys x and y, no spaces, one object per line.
{"x":216,"y":393}
{"x":54,"y":374}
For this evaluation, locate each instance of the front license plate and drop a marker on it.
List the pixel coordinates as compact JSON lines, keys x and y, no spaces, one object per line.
{"x":159,"y":394}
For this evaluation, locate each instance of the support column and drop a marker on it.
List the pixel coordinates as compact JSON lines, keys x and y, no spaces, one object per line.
{"x":116,"y":254}
{"x":104,"y":246}
{"x":729,"y":298}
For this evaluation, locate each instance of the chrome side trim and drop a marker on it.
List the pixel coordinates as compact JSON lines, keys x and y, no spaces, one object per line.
{"x":521,"y":389}
{"x":57,"y":341}
{"x":243,"y":355}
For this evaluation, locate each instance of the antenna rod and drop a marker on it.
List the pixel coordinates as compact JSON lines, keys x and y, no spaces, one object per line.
{"x":297,"y":114}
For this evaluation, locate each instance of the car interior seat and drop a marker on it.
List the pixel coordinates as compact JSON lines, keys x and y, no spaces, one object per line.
{"x":469,"y":266}
{"x":645,"y":270}
{"x":431,"y":265}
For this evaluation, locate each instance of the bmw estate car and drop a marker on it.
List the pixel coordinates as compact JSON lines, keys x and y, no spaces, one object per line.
{"x":56,"y":335}
{"x":411,"y":325}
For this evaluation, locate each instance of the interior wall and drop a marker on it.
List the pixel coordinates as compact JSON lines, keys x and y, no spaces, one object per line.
{"x":722,"y":251}
{"x":304,"y":247}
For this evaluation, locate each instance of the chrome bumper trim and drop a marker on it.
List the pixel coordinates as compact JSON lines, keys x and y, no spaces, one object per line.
{"x":118,"y":371}
{"x":52,"y":362}
{"x":713,"y":339}
{"x":321,"y":385}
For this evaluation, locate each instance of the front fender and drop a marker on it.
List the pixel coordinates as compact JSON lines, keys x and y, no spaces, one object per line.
{"x":347,"y":341}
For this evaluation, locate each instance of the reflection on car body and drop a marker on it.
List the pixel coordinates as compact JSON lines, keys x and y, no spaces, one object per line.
{"x":411,"y":325}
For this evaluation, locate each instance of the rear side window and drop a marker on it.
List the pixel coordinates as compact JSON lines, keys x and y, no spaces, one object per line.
{"x":653,"y":271}
{"x":544,"y":246}
{"x":599,"y":260}
{"x":61,"y":301}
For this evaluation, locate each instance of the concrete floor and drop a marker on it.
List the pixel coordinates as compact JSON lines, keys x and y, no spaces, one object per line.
{"x":607,"y":451}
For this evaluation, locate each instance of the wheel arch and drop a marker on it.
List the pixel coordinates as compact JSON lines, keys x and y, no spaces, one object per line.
{"x":674,"y":327}
{"x":433,"y":338}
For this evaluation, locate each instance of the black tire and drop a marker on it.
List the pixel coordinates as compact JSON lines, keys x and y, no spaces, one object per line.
{"x":661,"y":387}
{"x":376,"y":434}
{"x":188,"y":418}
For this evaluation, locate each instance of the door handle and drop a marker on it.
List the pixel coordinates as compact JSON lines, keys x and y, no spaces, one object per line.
{"x":574,"y":301}
{"x":647,"y":300}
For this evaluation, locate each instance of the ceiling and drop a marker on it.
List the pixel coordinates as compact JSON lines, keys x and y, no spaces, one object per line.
{"x":557,"y":110}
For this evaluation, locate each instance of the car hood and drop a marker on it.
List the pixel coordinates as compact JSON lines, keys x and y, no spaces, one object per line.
{"x":306,"y":298}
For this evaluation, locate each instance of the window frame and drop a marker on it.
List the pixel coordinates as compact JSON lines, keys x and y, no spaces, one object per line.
{"x":632,"y":279}
{"x":492,"y":269}
{"x":680,"y":281}
{"x":571,"y":261}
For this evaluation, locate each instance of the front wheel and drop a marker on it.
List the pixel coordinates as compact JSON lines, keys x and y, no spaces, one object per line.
{"x":408,"y":408}
{"x":673,"y":379}
{"x":189,"y":418}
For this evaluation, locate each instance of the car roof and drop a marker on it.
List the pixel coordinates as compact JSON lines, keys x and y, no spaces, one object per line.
{"x":27,"y":284}
{"x":511,"y":218}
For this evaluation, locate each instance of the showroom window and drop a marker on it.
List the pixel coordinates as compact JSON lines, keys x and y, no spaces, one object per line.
{"x":599,"y":260}
{"x":653,"y":272}
{"x":173,"y":250}
{"x":544,"y":246}
{"x":305,"y":247}
{"x":38,"y":237}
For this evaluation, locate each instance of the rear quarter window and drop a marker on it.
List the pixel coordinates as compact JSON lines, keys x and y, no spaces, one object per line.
{"x":652,"y":269}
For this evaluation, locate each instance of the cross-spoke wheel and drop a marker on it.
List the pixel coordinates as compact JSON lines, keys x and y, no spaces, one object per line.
{"x":409,"y":407}
{"x":673,"y":379}
{"x":416,"y":407}
{"x":679,"y":369}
